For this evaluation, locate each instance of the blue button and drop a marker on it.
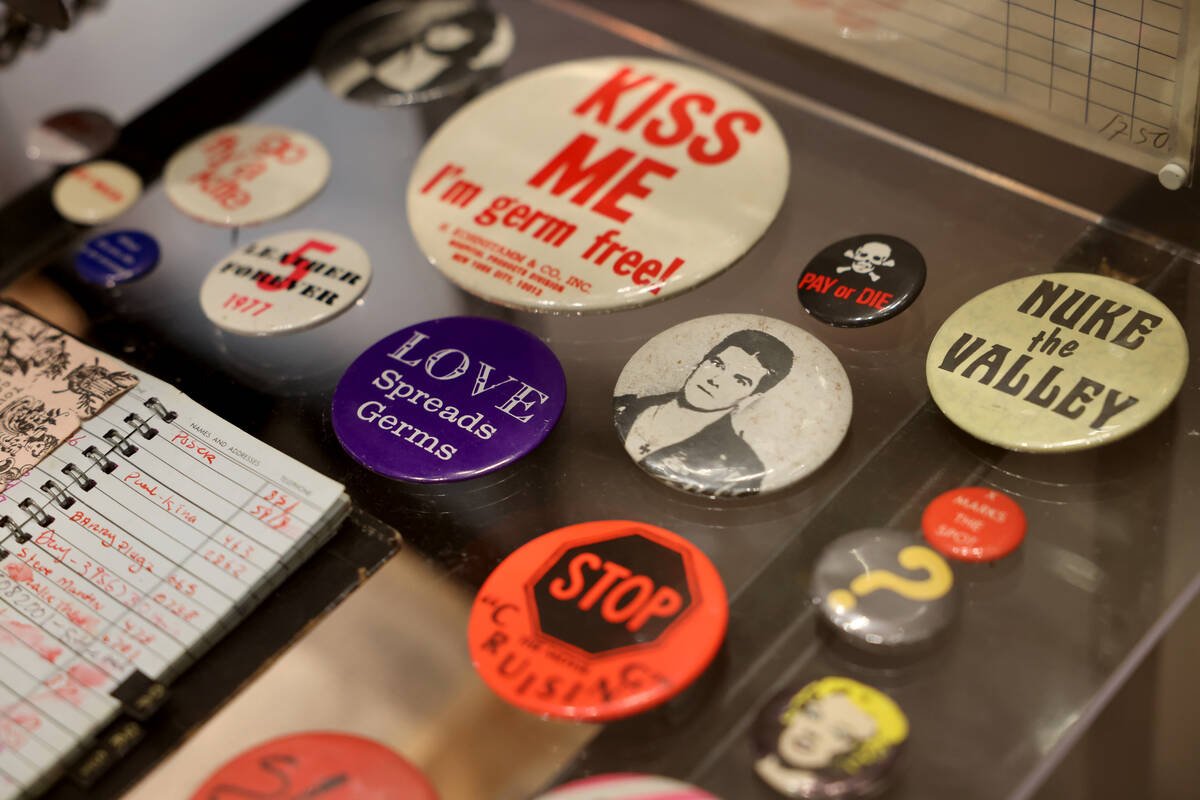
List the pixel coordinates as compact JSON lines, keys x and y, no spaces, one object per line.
{"x":117,"y":257}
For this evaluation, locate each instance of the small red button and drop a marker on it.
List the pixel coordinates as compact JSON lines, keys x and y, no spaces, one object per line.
{"x":974,"y":523}
{"x":598,"y":621}
{"x":332,"y":766}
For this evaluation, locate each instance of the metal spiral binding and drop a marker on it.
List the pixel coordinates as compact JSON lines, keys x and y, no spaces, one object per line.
{"x":122,"y":443}
{"x":141,"y":426}
{"x":106,"y":464}
{"x":155,"y":405}
{"x":76,"y":474}
{"x":36,"y":514}
{"x":7,"y":522}
{"x":58,"y":494}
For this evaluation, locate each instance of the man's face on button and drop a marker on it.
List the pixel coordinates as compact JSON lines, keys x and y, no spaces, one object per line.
{"x":722,"y":379}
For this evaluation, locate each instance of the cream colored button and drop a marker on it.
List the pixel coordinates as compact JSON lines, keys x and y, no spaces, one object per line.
{"x":598,"y":184}
{"x":96,"y":192}
{"x":285,"y":283}
{"x":1057,"y":362}
{"x":246,"y":174}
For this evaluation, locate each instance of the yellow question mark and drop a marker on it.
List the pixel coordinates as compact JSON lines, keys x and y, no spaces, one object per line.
{"x":913,"y":557}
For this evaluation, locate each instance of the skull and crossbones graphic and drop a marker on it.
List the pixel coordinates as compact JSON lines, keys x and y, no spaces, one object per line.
{"x":869,"y":257}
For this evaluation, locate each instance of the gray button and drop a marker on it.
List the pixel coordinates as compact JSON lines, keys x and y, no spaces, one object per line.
{"x":401,"y":53}
{"x":70,"y":137}
{"x":884,"y":589}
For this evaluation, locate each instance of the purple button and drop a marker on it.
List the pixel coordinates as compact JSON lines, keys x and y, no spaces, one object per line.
{"x":448,"y":399}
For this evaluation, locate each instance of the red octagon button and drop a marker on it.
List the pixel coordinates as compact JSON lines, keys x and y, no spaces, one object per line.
{"x":612,"y":593}
{"x":598,"y":621}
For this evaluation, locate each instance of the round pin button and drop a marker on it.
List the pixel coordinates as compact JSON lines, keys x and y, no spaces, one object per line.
{"x":598,"y":621}
{"x":70,"y":137}
{"x":1057,"y":362}
{"x":862,"y":280}
{"x":96,"y":192}
{"x":974,"y":523}
{"x":246,"y":174}
{"x":621,"y":181}
{"x":117,"y":257}
{"x":400,"y":53}
{"x":285,"y":283}
{"x":882,"y":589}
{"x":448,"y":399}
{"x":627,"y":786}
{"x":732,"y":405}
{"x":334,"y":765}
{"x":832,"y":738}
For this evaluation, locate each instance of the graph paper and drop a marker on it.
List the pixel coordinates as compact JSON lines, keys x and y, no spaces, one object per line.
{"x":1114,"y":76}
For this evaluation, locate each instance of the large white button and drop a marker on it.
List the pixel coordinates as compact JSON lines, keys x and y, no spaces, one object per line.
{"x":597,"y":184}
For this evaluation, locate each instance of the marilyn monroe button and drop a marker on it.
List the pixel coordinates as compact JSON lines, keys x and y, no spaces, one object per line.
{"x":833,"y":738}
{"x":732,"y":405}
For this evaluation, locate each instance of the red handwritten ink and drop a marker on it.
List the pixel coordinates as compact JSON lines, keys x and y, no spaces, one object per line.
{"x":136,"y":479}
{"x":191,"y":444}
{"x":87,"y":675}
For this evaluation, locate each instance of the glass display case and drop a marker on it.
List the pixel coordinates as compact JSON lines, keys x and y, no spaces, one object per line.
{"x":1043,"y":638}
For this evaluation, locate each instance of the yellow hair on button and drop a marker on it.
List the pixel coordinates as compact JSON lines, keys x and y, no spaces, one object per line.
{"x":891,"y":724}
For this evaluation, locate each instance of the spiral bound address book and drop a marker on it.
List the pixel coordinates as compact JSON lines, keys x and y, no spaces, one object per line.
{"x":127,"y":549}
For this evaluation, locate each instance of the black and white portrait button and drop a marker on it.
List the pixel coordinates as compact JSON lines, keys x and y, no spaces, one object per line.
{"x":862,"y":280}
{"x":401,"y":53}
{"x":732,"y":405}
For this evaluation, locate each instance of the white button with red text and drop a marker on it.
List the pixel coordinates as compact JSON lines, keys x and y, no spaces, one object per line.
{"x":96,"y":192}
{"x":597,"y":184}
{"x":285,"y":283}
{"x":246,"y":174}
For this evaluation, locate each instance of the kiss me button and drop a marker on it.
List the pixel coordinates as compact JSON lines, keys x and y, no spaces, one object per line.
{"x":598,"y":621}
{"x":448,"y":399}
{"x":619,"y":182}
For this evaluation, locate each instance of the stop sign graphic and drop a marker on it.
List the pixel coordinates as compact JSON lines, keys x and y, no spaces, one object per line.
{"x":612,"y":593}
{"x":598,"y":621}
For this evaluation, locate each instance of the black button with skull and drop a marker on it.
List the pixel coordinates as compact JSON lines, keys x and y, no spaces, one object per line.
{"x":862,"y":280}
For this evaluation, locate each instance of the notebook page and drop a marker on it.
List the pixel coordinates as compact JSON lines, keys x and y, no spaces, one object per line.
{"x":139,"y":542}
